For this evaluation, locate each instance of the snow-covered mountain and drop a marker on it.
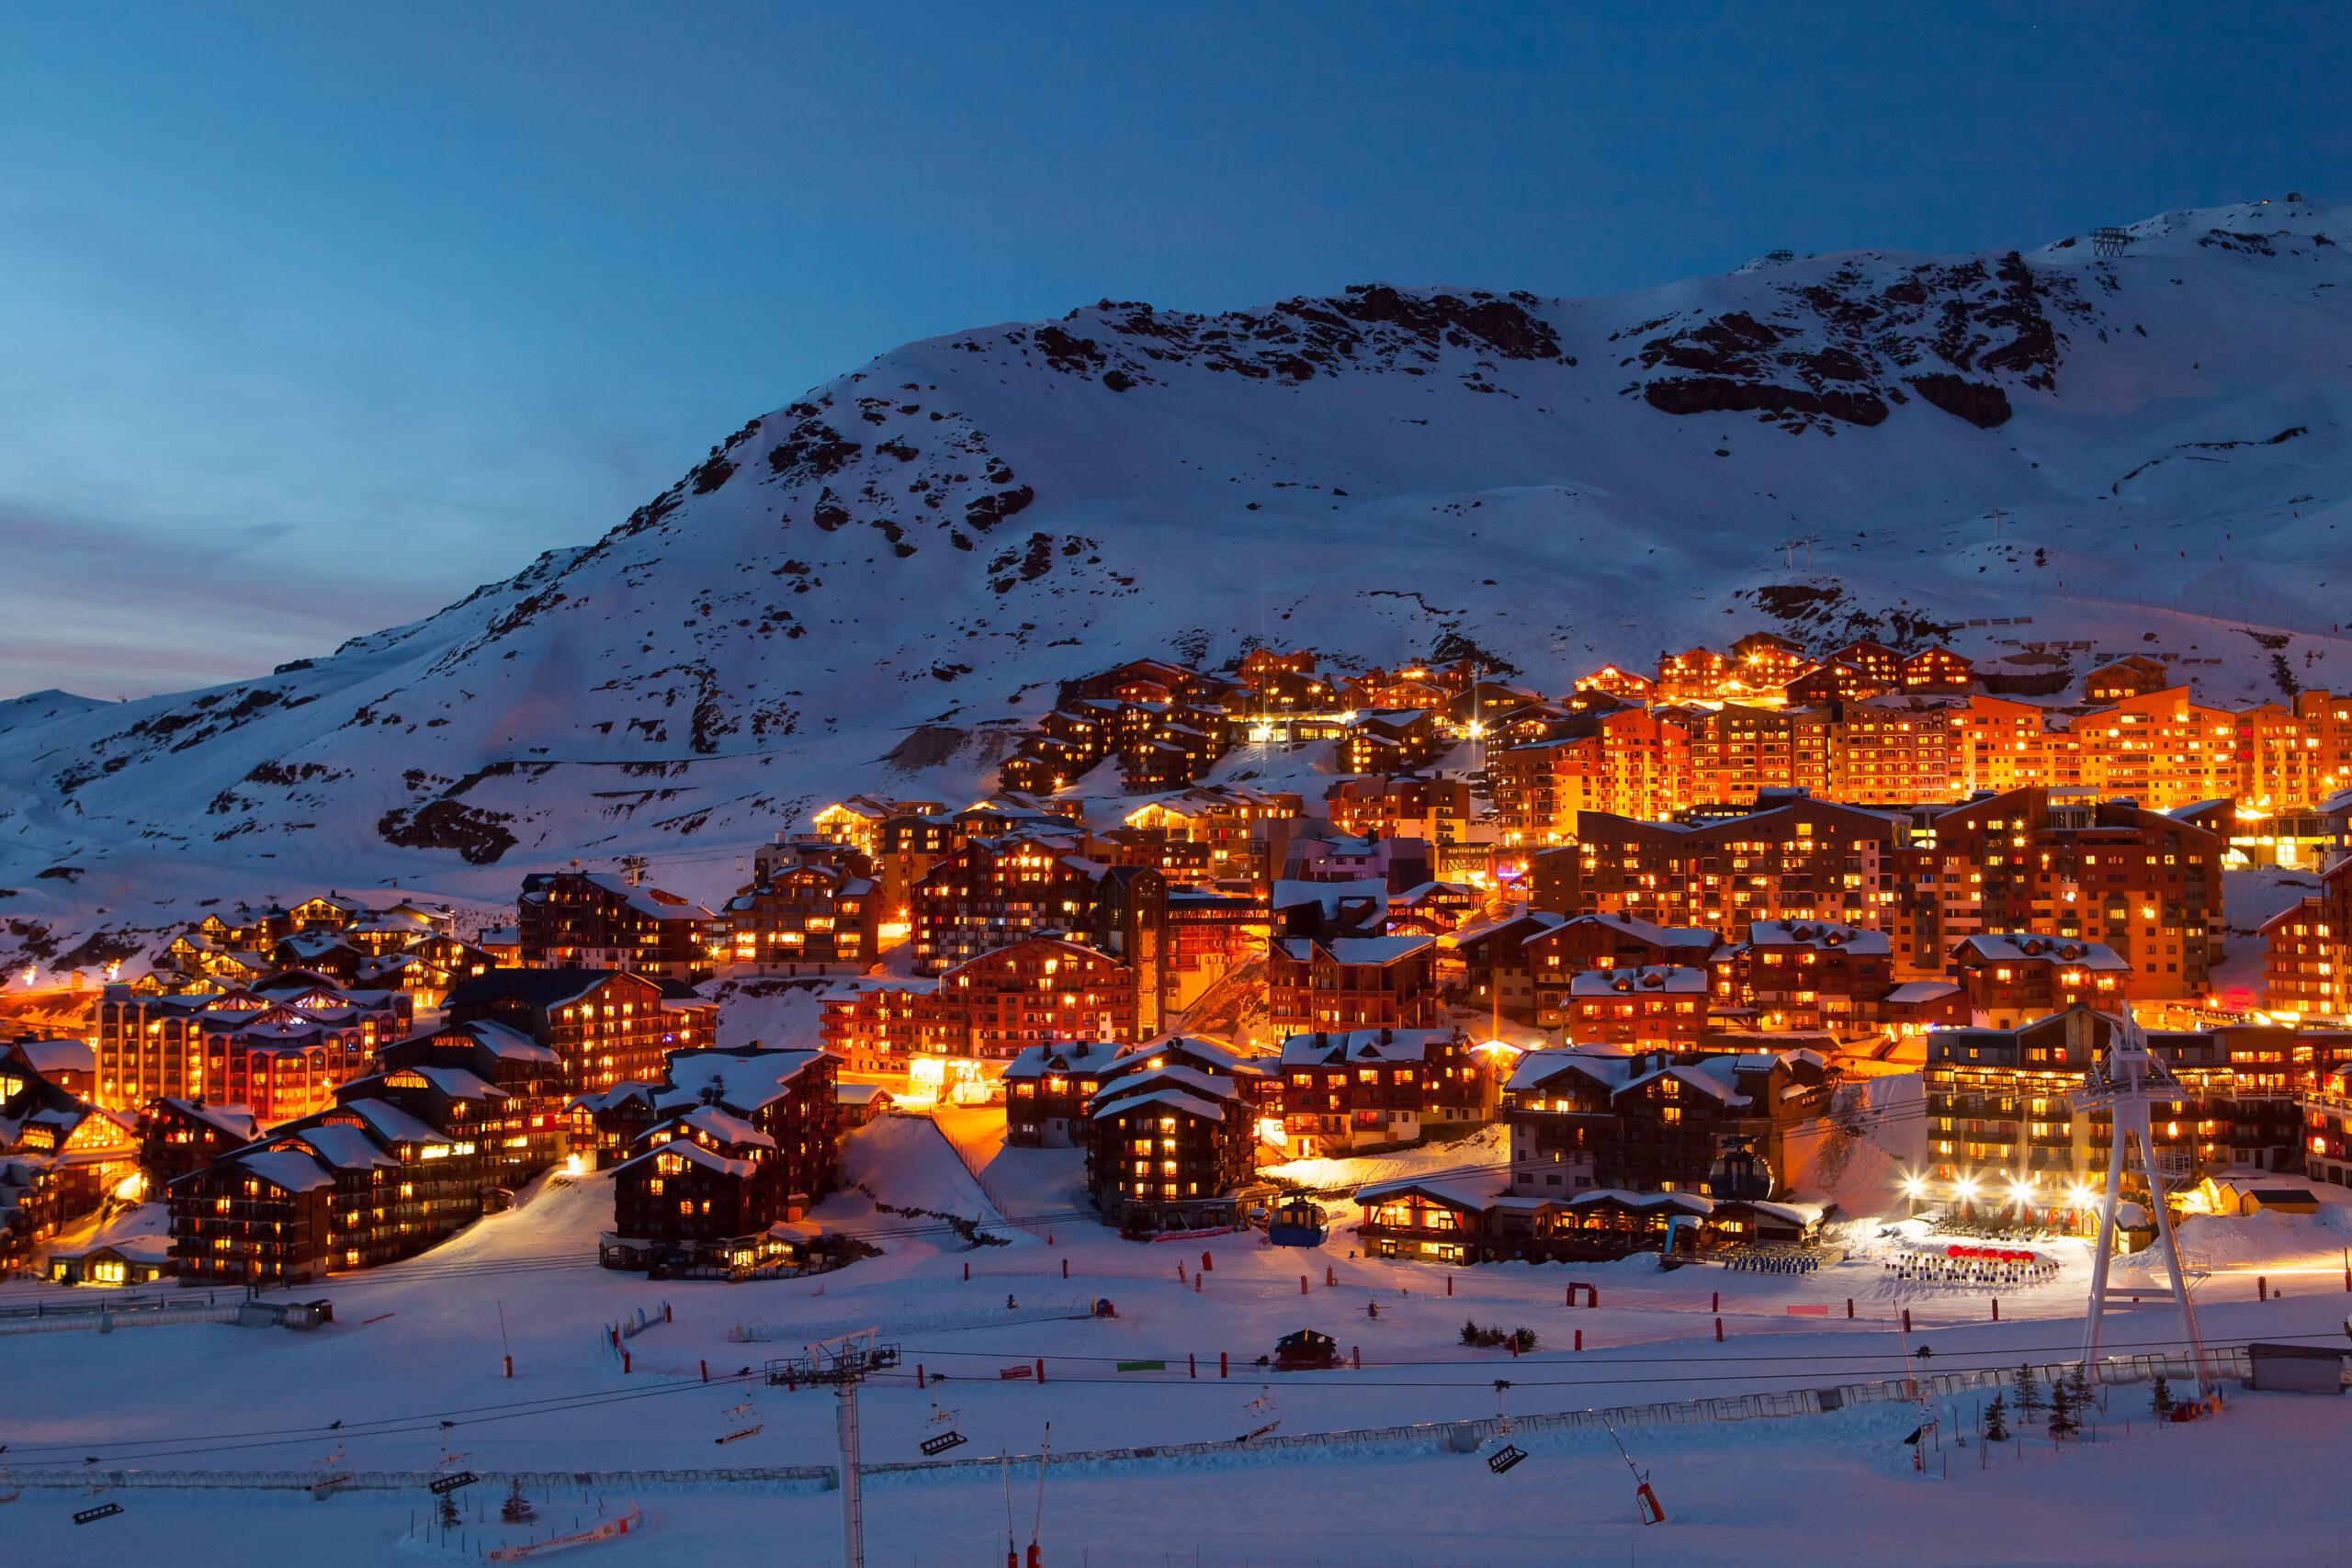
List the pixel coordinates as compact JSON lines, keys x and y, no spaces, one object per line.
{"x":869,"y":587}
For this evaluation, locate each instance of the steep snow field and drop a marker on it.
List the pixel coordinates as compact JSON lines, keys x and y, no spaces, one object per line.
{"x":1834,"y":1489}
{"x":867,"y":588}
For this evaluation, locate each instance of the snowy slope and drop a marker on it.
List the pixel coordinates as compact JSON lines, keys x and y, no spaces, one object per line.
{"x":868,"y":588}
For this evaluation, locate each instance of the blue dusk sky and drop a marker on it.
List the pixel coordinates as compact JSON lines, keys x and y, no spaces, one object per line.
{"x":313,"y":317}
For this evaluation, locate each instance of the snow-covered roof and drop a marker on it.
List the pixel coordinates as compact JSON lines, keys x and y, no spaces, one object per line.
{"x":58,"y":1055}
{"x":504,"y":1042}
{"x":1171,"y":1073}
{"x":1076,"y":1057}
{"x":744,"y":1079}
{"x":1818,"y":936}
{"x":695,"y":1154}
{"x":390,"y":1122}
{"x":1688,"y":1202}
{"x":1453,"y":1192}
{"x":237,"y":1121}
{"x":457,"y":1083}
{"x":1913,"y":993}
{"x":727,"y":1129}
{"x":1649,"y":979}
{"x":345,"y":1146}
{"x":1327,"y":896}
{"x":1174,"y":1097}
{"x":286,"y":1169}
{"x":1362,"y":1045}
{"x":2014,"y":947}
{"x":1377,"y":949}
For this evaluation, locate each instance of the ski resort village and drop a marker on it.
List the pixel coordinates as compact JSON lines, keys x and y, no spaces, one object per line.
{"x":1420,"y":927}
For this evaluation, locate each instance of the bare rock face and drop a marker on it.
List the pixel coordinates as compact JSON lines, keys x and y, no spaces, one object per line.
{"x":1842,"y":348}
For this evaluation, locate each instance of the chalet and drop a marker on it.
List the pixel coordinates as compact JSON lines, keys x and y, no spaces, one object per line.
{"x":1811,"y":975}
{"x":1231,"y":822}
{"x":1342,"y":1089}
{"x":1880,"y":664}
{"x":1655,"y":1120}
{"x":177,"y":1136}
{"x":579,"y":918}
{"x":1284,"y":681}
{"x":1047,"y":1088}
{"x":879,"y":1022}
{"x":279,"y":1046}
{"x":857,"y":821}
{"x":787,"y":1095}
{"x":1333,"y":857}
{"x":322,"y":952}
{"x":407,"y":1152}
{"x":801,"y":920}
{"x":860,"y":1103}
{"x":1320,"y":911}
{"x":740,"y":1142}
{"x":604,"y":1025}
{"x":1832,"y":683}
{"x":1170,"y":1149}
{"x":1434,"y":909}
{"x":2012,"y":977}
{"x":1937,"y":670}
{"x":993,"y":891}
{"x":75,"y":1153}
{"x":1653,"y":1005}
{"x":260,"y":1217}
{"x":1495,"y":962}
{"x":68,"y":1065}
{"x":1408,"y":806}
{"x":2128,"y":677}
{"x":1552,"y":959}
{"x":1390,"y":741}
{"x":1383,"y":982}
{"x":1436,"y":1220}
{"x":1032,"y":993}
{"x":1756,"y":1221}
{"x":1618,"y":682}
{"x":526,"y":1128}
{"x":125,"y":1260}
{"x":606,"y":1123}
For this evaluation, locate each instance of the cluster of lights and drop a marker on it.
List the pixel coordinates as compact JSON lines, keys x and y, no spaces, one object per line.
{"x":1968,"y":1188}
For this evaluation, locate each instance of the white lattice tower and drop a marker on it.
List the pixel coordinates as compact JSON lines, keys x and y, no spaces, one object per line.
{"x":2123,"y":1081}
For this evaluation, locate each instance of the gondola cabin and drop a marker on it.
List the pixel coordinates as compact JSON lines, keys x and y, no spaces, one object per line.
{"x":1305,"y":1348}
{"x":1299,"y":1223}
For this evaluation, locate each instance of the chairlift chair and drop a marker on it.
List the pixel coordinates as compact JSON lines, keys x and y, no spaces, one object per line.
{"x":946,"y":1436}
{"x":740,"y":1421}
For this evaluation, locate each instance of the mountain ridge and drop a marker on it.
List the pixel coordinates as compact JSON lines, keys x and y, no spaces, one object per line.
{"x":934,"y":542}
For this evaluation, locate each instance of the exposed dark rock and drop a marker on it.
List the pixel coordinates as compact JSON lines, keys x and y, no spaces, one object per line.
{"x":477,"y":836}
{"x":1979,"y":403}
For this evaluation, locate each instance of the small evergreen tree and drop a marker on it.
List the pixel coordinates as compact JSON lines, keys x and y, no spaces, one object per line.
{"x":2063,"y":1423}
{"x":2078,"y":1386}
{"x":2160,"y":1400}
{"x":2028,"y":1393}
{"x":450,"y":1517}
{"x":516,"y":1509}
{"x":1470,"y":1332}
{"x":1996,"y":1423}
{"x":1526,"y":1339}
